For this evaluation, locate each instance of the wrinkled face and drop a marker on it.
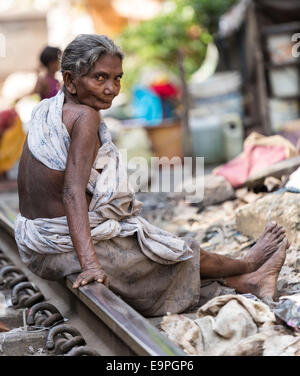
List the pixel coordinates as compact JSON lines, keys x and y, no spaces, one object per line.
{"x":102,"y":84}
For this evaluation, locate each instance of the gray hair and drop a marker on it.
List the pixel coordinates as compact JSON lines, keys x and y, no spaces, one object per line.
{"x":81,"y":54}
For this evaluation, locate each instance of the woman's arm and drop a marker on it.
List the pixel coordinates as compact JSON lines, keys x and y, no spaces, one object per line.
{"x":81,"y":156}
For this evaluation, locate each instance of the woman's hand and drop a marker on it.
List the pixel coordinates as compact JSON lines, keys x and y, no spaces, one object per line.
{"x":95,"y":273}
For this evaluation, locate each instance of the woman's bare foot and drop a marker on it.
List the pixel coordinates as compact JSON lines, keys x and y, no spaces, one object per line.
{"x":262,"y":282}
{"x":265,"y":246}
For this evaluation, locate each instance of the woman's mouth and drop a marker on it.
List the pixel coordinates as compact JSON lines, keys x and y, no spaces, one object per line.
{"x":107,"y":100}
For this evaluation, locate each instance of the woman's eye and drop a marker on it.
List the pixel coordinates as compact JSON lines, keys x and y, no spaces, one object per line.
{"x":100,"y":78}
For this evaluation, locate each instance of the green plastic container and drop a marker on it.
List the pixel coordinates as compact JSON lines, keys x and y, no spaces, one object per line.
{"x":207,"y":137}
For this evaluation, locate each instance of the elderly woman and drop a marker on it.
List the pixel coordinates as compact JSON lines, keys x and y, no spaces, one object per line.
{"x":78,"y":215}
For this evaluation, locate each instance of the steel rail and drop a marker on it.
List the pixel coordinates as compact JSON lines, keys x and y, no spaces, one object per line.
{"x":132,"y":328}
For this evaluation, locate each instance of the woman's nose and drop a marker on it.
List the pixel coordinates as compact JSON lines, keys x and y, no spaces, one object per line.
{"x":109,"y":88}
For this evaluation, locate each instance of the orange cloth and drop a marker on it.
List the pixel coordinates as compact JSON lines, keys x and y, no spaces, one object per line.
{"x":7,"y":118}
{"x":11,"y":140}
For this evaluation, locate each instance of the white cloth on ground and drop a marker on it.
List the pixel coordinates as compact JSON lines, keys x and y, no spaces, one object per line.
{"x":231,"y":325}
{"x":294,"y":180}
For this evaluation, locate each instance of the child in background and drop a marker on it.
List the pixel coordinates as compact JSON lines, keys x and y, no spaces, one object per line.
{"x":47,"y":85}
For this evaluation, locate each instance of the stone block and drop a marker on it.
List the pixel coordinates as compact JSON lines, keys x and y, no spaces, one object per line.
{"x":283,"y":208}
{"x":22,"y":343}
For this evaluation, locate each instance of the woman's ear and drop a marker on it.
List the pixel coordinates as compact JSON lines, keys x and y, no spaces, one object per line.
{"x":69,"y":82}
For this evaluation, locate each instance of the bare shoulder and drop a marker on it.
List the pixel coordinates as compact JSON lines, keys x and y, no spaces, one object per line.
{"x":86,"y":112}
{"x":84,"y":124}
{"x":81,"y":117}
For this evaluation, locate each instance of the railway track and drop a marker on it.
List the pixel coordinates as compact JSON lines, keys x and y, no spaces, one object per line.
{"x":46,"y":318}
